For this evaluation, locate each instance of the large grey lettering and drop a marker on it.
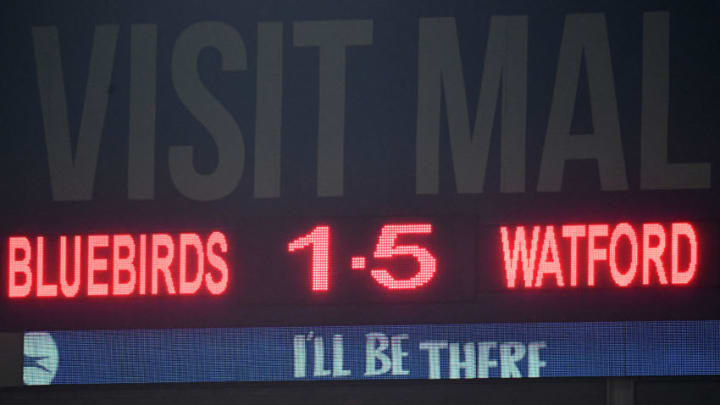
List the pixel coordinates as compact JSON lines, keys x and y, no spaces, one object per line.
{"x":208,"y":110}
{"x":584,"y":34}
{"x":440,"y":68}
{"x":143,"y":106}
{"x":268,"y":119}
{"x":72,"y":179}
{"x":332,"y":37}
{"x":656,"y":172}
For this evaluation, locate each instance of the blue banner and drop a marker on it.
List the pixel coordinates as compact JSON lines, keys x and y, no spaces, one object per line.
{"x":597,"y":349}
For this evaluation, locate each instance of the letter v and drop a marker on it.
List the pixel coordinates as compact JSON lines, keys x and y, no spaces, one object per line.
{"x":73,"y":179}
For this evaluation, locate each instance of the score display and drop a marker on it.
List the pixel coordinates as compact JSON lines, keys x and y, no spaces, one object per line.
{"x":386,"y":248}
{"x":413,"y":265}
{"x":277,"y":185}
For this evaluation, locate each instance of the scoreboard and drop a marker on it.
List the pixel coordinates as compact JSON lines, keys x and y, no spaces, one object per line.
{"x":362,"y":270}
{"x":373,"y":190}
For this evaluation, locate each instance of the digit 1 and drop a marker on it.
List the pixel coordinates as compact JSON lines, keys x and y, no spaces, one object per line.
{"x":319,"y":239}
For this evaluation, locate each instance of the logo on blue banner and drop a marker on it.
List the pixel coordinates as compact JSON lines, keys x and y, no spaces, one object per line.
{"x":41,"y":360}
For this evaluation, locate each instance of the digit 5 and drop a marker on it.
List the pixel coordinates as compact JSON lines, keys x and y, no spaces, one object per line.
{"x":386,"y":249}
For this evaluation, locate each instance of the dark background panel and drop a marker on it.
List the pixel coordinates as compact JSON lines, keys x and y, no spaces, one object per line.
{"x":380,"y":111}
{"x":677,"y":390}
{"x":417,"y":392}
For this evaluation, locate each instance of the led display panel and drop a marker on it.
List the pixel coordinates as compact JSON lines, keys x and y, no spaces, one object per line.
{"x":451,"y":351}
{"x":410,"y":267}
{"x":245,"y":191}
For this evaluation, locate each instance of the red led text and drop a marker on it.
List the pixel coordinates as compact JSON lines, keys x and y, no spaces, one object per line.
{"x":318,"y":240}
{"x":117,"y":264}
{"x":632,"y":255}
